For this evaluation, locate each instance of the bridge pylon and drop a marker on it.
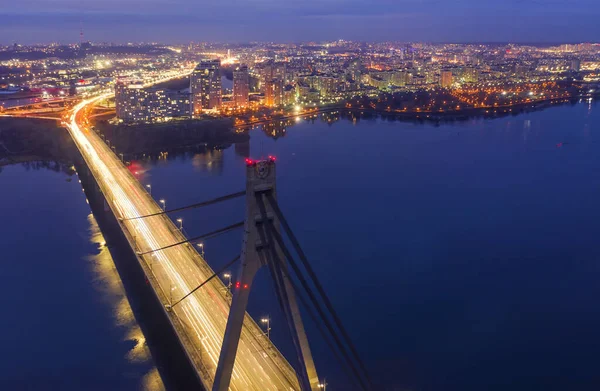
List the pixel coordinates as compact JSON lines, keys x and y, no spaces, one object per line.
{"x":259,"y":249}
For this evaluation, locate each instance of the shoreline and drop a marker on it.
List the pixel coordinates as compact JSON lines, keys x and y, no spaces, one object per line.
{"x":489,"y":112}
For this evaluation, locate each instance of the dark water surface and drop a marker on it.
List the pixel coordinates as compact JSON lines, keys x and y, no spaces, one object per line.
{"x":66,"y":323}
{"x":460,"y":257}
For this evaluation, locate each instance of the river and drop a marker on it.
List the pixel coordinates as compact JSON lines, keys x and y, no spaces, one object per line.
{"x":460,"y":257}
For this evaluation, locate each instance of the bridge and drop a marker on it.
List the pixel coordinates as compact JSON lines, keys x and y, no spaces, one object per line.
{"x":227,"y":348}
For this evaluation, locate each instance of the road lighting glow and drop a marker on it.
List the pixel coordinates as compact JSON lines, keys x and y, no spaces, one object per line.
{"x":201,"y":317}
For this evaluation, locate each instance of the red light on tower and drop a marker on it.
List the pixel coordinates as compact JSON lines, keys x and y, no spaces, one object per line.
{"x":249,"y":162}
{"x":272,"y":158}
{"x":237,"y":285}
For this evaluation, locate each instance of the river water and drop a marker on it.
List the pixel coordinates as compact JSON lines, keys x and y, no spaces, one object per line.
{"x":460,"y":257}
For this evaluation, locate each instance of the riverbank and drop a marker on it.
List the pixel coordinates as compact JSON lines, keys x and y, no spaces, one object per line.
{"x":429,"y":116}
{"x":43,"y":139}
{"x":152,"y":138}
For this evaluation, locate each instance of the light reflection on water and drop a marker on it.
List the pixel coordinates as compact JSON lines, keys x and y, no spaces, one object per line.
{"x":108,"y":283}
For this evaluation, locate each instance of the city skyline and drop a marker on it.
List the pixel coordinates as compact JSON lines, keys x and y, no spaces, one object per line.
{"x":165,"y":164}
{"x":241,"y":21}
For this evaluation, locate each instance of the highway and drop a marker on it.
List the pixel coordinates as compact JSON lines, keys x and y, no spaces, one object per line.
{"x":200,"y":319}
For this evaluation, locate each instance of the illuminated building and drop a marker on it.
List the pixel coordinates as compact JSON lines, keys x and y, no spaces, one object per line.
{"x":355,"y":69}
{"x":289,"y":95}
{"x":241,"y":86}
{"x":279,"y":71}
{"x":269,"y":88}
{"x":302,"y":91}
{"x":274,"y":93}
{"x":278,"y":89}
{"x":134,"y":103}
{"x":131,"y":101}
{"x":446,"y":79}
{"x":575,"y":65}
{"x":328,"y":85}
{"x":470,"y":75}
{"x":265,"y":74}
{"x":205,"y":86}
{"x":399,"y":78}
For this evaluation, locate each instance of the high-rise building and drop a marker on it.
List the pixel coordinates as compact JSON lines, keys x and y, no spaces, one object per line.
{"x":134,"y":103}
{"x":446,"y":79}
{"x":265,"y":73}
{"x":576,"y":65}
{"x":205,"y":86}
{"x":269,"y":88}
{"x":274,"y":93}
{"x":278,"y":92}
{"x":354,"y":69}
{"x":241,"y":86}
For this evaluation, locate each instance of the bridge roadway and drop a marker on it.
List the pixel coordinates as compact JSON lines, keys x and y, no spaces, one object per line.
{"x":200,"y":319}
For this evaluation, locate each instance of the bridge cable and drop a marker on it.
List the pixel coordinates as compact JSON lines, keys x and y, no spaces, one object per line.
{"x":234,"y":260}
{"x":284,"y":274}
{"x":314,"y":300}
{"x":318,"y":307}
{"x":316,"y":282}
{"x":282,"y":297}
{"x":326,"y":337}
{"x":266,"y":237}
{"x":204,"y":236}
{"x":191,"y":206}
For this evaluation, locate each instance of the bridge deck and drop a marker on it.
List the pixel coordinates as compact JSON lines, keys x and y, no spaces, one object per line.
{"x":200,"y":319}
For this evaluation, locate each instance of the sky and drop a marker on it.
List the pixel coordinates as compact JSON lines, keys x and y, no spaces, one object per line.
{"x":182,"y":21}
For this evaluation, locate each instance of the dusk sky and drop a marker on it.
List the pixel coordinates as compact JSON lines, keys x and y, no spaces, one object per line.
{"x":178,"y":21}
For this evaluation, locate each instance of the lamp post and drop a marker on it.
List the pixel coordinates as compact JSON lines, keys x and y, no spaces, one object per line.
{"x":267,"y":321}
{"x":323,"y":385}
{"x":149,"y":189}
{"x":180,"y":221}
{"x":201,"y":245}
{"x":122,"y":158}
{"x":228,"y":277}
{"x":164,"y":204}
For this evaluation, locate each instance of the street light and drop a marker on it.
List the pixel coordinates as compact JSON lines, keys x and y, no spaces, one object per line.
{"x":228,"y":277}
{"x":323,"y":385}
{"x":180,"y":221}
{"x":122,"y":158}
{"x":164,"y":203}
{"x":149,"y":189}
{"x":201,"y":245}
{"x":267,"y":321}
